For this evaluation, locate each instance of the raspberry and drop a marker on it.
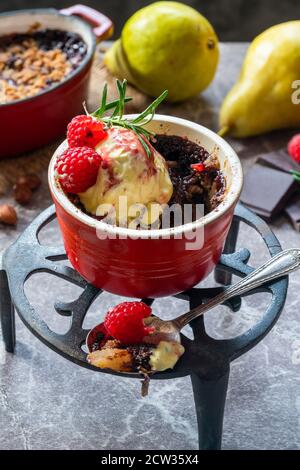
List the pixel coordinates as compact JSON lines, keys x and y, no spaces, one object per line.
{"x":294,"y":148}
{"x":77,"y":169}
{"x":84,"y":131}
{"x":198,"y":167}
{"x":124,"y":322}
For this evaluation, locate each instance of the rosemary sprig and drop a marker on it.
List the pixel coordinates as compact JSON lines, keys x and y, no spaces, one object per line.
{"x":296,"y":175}
{"x":106,"y":106}
{"x":117,"y":117}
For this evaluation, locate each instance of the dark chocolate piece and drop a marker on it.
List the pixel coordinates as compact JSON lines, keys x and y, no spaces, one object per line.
{"x":145,"y":385}
{"x":280,"y":160}
{"x":293,"y":212}
{"x":267,"y":191}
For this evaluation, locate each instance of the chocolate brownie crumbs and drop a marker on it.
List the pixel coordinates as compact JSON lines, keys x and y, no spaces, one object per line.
{"x":141,"y":355}
{"x":140,"y":352}
{"x":190,"y":186}
{"x":99,"y":341}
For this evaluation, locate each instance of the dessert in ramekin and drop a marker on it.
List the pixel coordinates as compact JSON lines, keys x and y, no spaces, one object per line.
{"x":151,"y":262}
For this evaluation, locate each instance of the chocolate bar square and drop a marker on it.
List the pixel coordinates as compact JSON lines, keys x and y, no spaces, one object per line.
{"x":280,"y":160}
{"x":267,"y":191}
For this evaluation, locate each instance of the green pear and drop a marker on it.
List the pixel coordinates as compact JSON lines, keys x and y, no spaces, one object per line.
{"x":264,"y":98}
{"x":166,"y":45}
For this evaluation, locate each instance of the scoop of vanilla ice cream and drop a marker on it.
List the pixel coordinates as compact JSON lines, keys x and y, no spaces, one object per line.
{"x":165,"y":355}
{"x":128,"y":172}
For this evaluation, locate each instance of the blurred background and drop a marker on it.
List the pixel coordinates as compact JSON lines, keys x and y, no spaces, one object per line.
{"x":233,"y":20}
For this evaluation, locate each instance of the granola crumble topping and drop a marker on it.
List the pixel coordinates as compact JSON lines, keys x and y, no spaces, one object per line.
{"x":32,"y":62}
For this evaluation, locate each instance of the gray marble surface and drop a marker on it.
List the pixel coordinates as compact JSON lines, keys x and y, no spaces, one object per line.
{"x":48,"y":403}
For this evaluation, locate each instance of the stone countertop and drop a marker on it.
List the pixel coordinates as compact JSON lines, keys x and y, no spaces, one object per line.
{"x":47,"y":402}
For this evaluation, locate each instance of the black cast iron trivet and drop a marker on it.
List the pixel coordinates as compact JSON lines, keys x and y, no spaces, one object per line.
{"x":206,"y":360}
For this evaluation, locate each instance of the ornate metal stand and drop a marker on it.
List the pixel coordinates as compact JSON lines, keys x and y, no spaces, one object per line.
{"x":206,"y":360}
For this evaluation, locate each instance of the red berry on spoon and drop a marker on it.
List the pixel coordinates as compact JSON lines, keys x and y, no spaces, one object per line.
{"x":85,"y":131}
{"x":124,"y":322}
{"x":198,"y":167}
{"x":77,"y":169}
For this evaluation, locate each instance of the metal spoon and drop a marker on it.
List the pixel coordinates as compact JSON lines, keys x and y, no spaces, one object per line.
{"x":169,"y":330}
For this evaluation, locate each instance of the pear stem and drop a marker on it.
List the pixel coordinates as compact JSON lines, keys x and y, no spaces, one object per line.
{"x":223,"y":131}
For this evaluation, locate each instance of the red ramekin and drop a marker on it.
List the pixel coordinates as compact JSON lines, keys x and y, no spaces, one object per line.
{"x":150,"y":263}
{"x":30,"y":123}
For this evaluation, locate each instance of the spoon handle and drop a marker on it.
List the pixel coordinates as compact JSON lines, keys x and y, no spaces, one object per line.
{"x":281,"y":264}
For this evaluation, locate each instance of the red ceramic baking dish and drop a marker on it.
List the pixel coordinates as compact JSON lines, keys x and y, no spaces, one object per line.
{"x":151,"y":263}
{"x":30,"y":123}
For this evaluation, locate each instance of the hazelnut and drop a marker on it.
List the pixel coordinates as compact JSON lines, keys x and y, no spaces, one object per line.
{"x":8,"y":215}
{"x":31,"y":180}
{"x":22,"y":193}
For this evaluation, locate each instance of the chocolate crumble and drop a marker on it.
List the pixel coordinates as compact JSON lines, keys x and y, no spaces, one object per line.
{"x":141,"y":355}
{"x":206,"y":187}
{"x":191,"y":187}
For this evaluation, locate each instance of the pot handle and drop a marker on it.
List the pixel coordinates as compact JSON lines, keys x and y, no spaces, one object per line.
{"x":104,"y":27}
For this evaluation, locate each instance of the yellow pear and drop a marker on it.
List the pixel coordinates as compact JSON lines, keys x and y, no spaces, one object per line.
{"x":166,"y":45}
{"x":264,"y":98}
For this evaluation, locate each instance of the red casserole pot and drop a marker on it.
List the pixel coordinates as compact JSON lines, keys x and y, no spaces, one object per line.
{"x":30,"y":123}
{"x":151,"y":263}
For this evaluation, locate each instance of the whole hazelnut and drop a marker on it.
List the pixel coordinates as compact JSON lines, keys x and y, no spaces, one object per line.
{"x":32,"y":180}
{"x":8,"y":214}
{"x":22,"y":193}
